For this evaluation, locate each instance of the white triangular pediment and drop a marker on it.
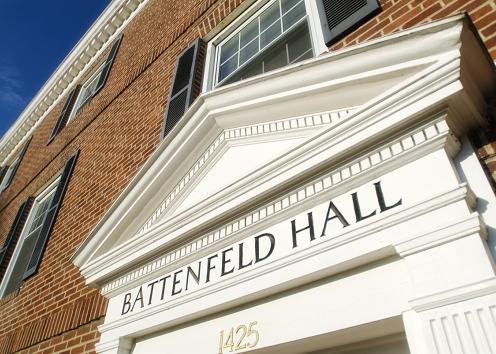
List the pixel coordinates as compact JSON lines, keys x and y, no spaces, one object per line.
{"x":234,"y":163}
{"x":234,"y":155}
{"x":241,"y":142}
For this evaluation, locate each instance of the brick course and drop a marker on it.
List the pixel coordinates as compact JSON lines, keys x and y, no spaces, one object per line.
{"x":117,"y":131}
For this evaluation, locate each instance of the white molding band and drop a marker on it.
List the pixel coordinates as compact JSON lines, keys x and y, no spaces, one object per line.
{"x":382,"y":250}
{"x":105,"y":29}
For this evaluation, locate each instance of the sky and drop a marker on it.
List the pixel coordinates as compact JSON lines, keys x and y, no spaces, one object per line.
{"x":35,"y":36}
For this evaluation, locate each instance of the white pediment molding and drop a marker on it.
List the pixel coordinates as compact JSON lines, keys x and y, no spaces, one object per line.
{"x":395,"y":85}
{"x":296,"y":126}
{"x":379,"y":161}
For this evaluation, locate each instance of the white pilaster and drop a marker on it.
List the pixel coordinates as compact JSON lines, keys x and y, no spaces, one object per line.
{"x":454,"y":287}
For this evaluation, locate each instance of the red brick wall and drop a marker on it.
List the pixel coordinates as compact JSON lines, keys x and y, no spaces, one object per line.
{"x":116,"y":132}
{"x":77,"y":341}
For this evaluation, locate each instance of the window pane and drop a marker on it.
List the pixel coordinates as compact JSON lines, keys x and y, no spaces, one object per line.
{"x":307,"y":55}
{"x":299,"y":44}
{"x":277,"y":58}
{"x":228,"y":67}
{"x":269,"y":16}
{"x":36,"y":222}
{"x":40,"y":209}
{"x":93,"y":84}
{"x":269,"y":35}
{"x":288,"y":4}
{"x":249,"y":33}
{"x":85,"y":94}
{"x":252,"y":70}
{"x":8,"y":176}
{"x":229,"y":49}
{"x":293,"y":16}
{"x":248,"y":52}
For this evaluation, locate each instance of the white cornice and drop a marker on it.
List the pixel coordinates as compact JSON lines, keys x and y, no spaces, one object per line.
{"x":108,"y":26}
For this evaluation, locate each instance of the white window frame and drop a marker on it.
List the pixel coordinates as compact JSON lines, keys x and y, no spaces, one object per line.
{"x":45,"y":193}
{"x":80,"y":102}
{"x":313,"y":20}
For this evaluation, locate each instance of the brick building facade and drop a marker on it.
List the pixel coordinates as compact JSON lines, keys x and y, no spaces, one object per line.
{"x":120,"y":127}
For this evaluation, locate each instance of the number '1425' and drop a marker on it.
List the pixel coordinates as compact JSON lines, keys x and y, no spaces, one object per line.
{"x":238,"y":338}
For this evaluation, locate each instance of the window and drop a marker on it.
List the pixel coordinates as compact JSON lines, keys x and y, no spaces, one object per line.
{"x":28,"y":240}
{"x":33,"y":238}
{"x":270,"y":34}
{"x":275,"y":33}
{"x":275,"y":36}
{"x":80,"y":95}
{"x":88,"y":90}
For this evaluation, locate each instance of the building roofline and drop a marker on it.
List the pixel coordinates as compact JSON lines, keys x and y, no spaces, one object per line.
{"x":103,"y":31}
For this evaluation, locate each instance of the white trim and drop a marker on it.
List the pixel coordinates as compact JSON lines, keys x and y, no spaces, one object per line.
{"x":287,"y":125}
{"x":119,"y":346}
{"x":466,"y":292}
{"x":316,"y":34}
{"x":105,"y":29}
{"x":358,"y":256}
{"x":349,"y":176}
{"x":446,"y":233}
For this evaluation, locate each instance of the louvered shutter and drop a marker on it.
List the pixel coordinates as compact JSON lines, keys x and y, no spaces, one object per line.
{"x":186,"y":84}
{"x":338,"y":17}
{"x":65,"y":113}
{"x":108,"y":65}
{"x":50,"y":217}
{"x":14,"y":232}
{"x":16,"y":166}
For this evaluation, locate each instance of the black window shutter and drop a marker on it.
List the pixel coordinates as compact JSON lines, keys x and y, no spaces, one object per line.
{"x":14,"y":232}
{"x":50,"y":217}
{"x":108,"y":65}
{"x":186,"y":84}
{"x":65,"y":113}
{"x":338,"y":17}
{"x":16,"y":166}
